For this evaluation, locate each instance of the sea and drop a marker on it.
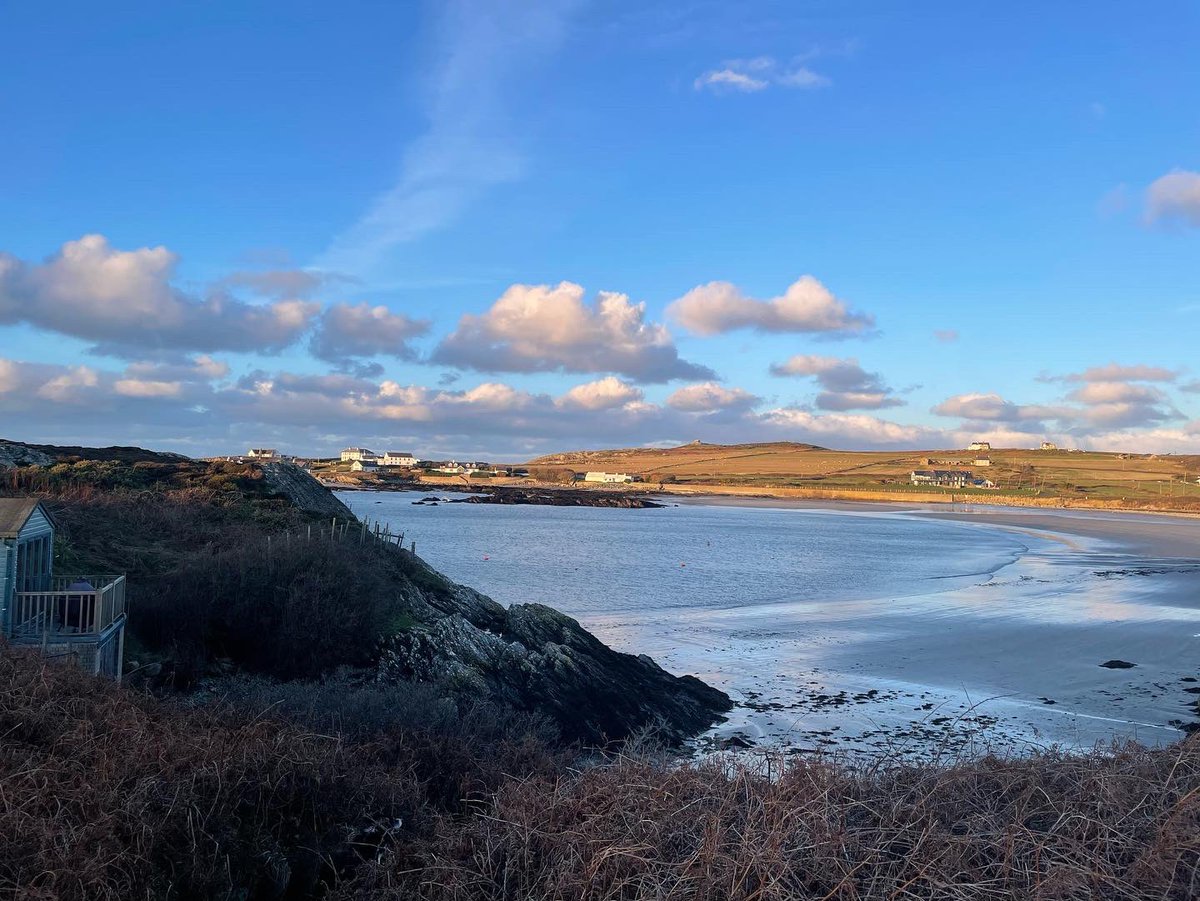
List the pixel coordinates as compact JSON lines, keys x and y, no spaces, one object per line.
{"x":847,"y":629}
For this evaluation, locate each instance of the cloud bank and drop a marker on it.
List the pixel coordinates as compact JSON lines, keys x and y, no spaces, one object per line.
{"x":845,"y":384}
{"x":126,"y":303}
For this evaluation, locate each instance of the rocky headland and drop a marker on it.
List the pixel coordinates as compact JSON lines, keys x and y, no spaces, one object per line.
{"x":267,"y":572}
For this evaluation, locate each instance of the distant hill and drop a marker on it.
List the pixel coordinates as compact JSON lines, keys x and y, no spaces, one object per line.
{"x":1131,"y":481}
{"x":690,"y":451}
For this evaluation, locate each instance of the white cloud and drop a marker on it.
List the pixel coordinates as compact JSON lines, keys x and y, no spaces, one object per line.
{"x":346,"y":331}
{"x":1115,"y":372}
{"x":708,"y":397}
{"x":1175,"y":197}
{"x":71,"y":386}
{"x":806,"y":306}
{"x":147,"y":388}
{"x":850,"y":430}
{"x":994,"y":408}
{"x":758,"y":74}
{"x":847,"y":386}
{"x":603,"y":394}
{"x":539,"y":328}
{"x":728,"y":78}
{"x":126,"y":302}
{"x":803,"y":77}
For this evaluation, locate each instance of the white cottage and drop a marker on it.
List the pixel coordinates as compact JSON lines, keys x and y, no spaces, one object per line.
{"x":80,"y":618}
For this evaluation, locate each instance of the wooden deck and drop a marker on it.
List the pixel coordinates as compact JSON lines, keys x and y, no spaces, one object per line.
{"x":68,"y":610}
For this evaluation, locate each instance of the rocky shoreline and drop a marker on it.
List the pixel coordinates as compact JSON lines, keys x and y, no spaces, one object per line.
{"x":563,"y":497}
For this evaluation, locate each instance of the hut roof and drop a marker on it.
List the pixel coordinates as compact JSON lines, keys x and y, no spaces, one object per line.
{"x":15,"y":512}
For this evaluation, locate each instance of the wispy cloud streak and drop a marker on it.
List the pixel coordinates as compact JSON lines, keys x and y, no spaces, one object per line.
{"x":481,"y":49}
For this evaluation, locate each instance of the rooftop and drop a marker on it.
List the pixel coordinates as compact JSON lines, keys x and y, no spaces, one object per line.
{"x":14,"y":513}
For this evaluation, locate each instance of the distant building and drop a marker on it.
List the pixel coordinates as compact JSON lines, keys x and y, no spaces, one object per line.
{"x":449,"y":467}
{"x":262,"y":453}
{"x":397,"y":458}
{"x":1049,"y":446}
{"x":982,"y":461}
{"x":980,"y":446}
{"x":351,"y":454}
{"x":610,"y":477}
{"x":363,"y":466}
{"x":945,"y":478}
{"x":985,"y":483}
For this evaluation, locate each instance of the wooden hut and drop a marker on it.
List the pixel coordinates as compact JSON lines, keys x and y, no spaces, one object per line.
{"x":81,"y":618}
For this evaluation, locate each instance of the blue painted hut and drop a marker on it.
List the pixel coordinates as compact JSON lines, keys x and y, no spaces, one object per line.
{"x":80,"y":618}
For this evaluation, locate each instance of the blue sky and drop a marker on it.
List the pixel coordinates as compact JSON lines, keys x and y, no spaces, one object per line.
{"x":989,"y":216}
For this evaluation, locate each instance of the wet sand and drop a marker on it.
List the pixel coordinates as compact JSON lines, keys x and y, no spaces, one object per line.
{"x":1007,"y":664}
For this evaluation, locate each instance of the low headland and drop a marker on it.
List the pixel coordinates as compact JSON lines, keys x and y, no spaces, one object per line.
{"x":1056,"y":479}
{"x":311,"y":711}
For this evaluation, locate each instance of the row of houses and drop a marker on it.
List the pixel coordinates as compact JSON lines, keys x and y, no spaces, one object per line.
{"x":948,"y":478}
{"x":387,"y":458}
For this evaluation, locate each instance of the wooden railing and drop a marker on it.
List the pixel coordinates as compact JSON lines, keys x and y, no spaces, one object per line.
{"x":65,"y":612}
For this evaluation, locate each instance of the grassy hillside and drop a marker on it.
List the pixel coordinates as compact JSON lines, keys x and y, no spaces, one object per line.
{"x":1134,"y":480}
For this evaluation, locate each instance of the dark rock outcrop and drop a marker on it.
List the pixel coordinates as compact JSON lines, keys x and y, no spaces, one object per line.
{"x":559,"y":497}
{"x":534,"y":658}
{"x":304,"y":491}
{"x":22,"y":455}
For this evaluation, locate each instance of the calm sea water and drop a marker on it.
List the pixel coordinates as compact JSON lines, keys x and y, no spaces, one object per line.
{"x":858,"y":630}
{"x":863,"y":630}
{"x":592,"y":560}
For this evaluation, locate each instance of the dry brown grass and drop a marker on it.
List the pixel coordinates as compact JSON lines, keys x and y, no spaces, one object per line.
{"x":1108,"y":826}
{"x":107,"y":794}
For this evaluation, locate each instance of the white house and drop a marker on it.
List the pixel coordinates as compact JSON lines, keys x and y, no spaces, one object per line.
{"x":363,"y":466}
{"x":262,"y":453}
{"x":945,"y":478}
{"x":982,"y":461}
{"x":397,"y":458}
{"x":608,"y":477}
{"x":980,"y":446}
{"x":1049,"y":446}
{"x":351,"y":454}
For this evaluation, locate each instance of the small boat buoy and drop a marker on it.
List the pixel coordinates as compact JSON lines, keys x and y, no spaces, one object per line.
{"x":486,"y":557}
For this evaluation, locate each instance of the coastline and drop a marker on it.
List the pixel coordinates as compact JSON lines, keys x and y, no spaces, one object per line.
{"x":866,"y":496}
{"x":1131,"y":531}
{"x":1006,"y":659}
